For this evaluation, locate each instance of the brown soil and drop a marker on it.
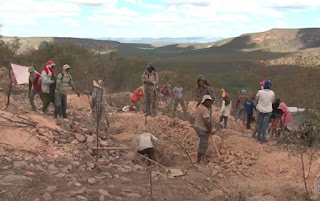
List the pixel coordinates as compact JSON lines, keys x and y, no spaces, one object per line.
{"x":257,"y":171}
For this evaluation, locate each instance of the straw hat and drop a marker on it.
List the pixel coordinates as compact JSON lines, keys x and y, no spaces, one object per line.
{"x":98,"y":84}
{"x":31,"y":69}
{"x":206,"y":97}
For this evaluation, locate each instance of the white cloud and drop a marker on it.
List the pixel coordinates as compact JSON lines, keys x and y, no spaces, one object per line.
{"x":70,"y":21}
{"x":280,"y":23}
{"x":188,"y":2}
{"x":95,"y":2}
{"x":28,"y":11}
{"x":151,"y":6}
{"x":131,"y":1}
{"x":110,"y":20}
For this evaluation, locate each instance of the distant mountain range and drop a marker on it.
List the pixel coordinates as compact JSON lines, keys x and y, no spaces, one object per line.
{"x":166,"y":40}
{"x":301,"y":46}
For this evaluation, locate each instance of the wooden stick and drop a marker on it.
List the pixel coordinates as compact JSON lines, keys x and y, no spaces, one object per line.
{"x":153,"y":161}
{"x":9,"y":89}
{"x":151,"y":186}
{"x":19,"y":122}
{"x":114,"y":148}
{"x":216,"y":148}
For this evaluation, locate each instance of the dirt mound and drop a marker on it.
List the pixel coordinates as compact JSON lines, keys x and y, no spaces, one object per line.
{"x":80,"y":102}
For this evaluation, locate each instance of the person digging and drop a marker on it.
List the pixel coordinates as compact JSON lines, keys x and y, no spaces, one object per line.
{"x":203,"y":125}
{"x":144,"y":145}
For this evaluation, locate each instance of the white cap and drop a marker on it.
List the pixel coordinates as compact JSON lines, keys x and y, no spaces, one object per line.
{"x":206,"y":97}
{"x":65,"y":67}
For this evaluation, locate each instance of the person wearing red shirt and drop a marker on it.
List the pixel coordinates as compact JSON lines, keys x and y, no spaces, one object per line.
{"x":34,"y":86}
{"x":136,"y":96}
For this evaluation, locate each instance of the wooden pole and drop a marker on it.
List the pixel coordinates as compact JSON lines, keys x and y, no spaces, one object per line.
{"x":151,"y":186}
{"x":216,"y":148}
{"x":9,"y":88}
{"x":153,"y":161}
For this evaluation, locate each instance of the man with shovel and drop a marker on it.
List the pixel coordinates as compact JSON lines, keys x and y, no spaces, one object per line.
{"x":203,"y":124}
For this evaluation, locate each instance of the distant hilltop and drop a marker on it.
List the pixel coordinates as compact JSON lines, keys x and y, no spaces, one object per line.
{"x":274,"y":40}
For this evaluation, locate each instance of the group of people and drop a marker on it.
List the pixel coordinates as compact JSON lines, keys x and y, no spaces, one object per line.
{"x":51,"y":88}
{"x":268,"y":110}
{"x":149,"y":89}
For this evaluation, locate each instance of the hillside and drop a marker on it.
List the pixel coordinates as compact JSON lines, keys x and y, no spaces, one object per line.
{"x":96,"y":45}
{"x":277,"y":40}
{"x":274,"y":40}
{"x":46,"y":159}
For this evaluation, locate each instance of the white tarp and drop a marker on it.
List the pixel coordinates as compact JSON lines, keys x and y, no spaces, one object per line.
{"x":21,"y":73}
{"x":296,"y":109}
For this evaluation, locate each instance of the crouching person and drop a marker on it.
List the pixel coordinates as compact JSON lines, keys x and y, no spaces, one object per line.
{"x":203,"y":125}
{"x":145,"y":145}
{"x":64,"y":81}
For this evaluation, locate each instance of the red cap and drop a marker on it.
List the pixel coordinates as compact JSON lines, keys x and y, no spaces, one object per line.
{"x":50,"y":63}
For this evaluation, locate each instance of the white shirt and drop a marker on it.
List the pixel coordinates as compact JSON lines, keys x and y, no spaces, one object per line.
{"x":145,"y":141}
{"x":265,"y":99}
{"x":225,"y":110}
{"x":178,"y":92}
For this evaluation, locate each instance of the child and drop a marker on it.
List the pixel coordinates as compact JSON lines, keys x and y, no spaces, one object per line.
{"x":225,"y":110}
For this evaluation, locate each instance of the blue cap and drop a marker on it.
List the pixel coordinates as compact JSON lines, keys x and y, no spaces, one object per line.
{"x":267,"y":84}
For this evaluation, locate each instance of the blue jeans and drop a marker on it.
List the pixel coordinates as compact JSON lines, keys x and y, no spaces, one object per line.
{"x":61,"y":105}
{"x":263,"y":121}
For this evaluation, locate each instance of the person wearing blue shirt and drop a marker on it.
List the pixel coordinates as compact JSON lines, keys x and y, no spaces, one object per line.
{"x":249,"y":107}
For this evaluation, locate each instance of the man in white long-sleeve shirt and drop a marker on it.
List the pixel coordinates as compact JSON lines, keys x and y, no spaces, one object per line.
{"x":145,"y":143}
{"x":48,"y":85}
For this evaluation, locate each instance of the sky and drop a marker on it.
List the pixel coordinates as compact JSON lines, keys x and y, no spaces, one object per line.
{"x":153,"y":18}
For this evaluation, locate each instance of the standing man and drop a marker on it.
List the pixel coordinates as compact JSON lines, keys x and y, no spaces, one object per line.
{"x":150,"y":79}
{"x":34,"y":86}
{"x":265,"y":98}
{"x":203,"y":125}
{"x":177,"y":93}
{"x":249,"y":108}
{"x":241,"y":105}
{"x":64,"y":81}
{"x":48,"y":85}
{"x":203,"y":89}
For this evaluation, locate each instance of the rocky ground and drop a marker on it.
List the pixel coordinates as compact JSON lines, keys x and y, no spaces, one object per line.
{"x":46,"y":159}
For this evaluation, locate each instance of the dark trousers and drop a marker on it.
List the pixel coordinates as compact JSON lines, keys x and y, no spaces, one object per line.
{"x":225,"y":121}
{"x":33,"y":93}
{"x":47,"y":99}
{"x":149,"y":152}
{"x":151,"y":96}
{"x":249,"y":120}
{"x":62,"y":107}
